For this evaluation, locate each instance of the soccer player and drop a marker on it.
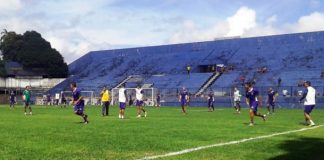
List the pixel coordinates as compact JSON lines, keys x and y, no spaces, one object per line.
{"x":105,"y":99}
{"x":63,"y":99}
{"x":140,"y":102}
{"x":26,"y":98}
{"x":271,"y":100}
{"x":237,"y":100}
{"x":309,"y":103}
{"x":158,"y":100}
{"x":211,"y":101}
{"x":122,"y":101}
{"x":12,"y":99}
{"x":78,"y":102}
{"x":183,"y":99}
{"x":252,"y":101}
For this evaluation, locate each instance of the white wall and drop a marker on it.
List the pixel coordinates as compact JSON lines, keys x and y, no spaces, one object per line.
{"x":34,"y":82}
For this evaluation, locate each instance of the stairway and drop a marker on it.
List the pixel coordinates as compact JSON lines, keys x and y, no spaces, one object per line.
{"x":208,"y":83}
{"x":132,"y":78}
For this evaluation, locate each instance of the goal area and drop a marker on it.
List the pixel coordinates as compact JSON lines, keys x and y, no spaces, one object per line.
{"x":149,"y":96}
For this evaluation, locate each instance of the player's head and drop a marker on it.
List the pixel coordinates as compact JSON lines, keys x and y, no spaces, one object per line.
{"x":73,"y":85}
{"x":307,"y":84}
{"x":27,"y":87}
{"x":248,"y":86}
{"x":138,"y":86}
{"x":270,"y":89}
{"x":235,"y":89}
{"x":104,"y":88}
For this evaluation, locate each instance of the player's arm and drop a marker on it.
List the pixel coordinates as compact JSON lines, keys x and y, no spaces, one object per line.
{"x":274,"y":97}
{"x":179,"y":98}
{"x":304,"y":96}
{"x":247,"y":101}
{"x":77,"y":101}
{"x":260,"y":100}
{"x":125,"y":93}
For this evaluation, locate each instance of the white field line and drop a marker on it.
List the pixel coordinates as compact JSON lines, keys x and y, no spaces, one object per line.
{"x":227,"y":143}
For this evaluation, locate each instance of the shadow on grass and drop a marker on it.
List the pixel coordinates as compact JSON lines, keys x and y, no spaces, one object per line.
{"x":302,"y":149}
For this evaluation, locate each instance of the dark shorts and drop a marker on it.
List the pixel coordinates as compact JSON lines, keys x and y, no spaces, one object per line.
{"x":308,"y":108}
{"x":27,"y":103}
{"x":122,"y":105}
{"x":254,"y":106}
{"x":12,"y":102}
{"x":271,"y":104}
{"x":210,"y":104}
{"x":79,"y":108}
{"x":139,"y":103}
{"x":183,"y":103}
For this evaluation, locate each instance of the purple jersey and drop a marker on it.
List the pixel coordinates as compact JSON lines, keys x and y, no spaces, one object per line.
{"x":210,"y":97}
{"x":183,"y":95}
{"x":12,"y":97}
{"x":76,"y":94}
{"x":252,"y":95}
{"x":271,"y":95}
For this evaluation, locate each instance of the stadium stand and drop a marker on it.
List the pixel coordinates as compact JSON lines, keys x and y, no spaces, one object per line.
{"x":293,"y":57}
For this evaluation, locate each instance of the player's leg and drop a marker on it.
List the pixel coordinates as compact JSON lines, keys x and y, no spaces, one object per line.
{"x":308,"y":109}
{"x":25,"y":108}
{"x":142,"y":108}
{"x":237,"y":106}
{"x":268,"y":108}
{"x":30,"y":109}
{"x":251,"y":114}
{"x":139,"y":110}
{"x":273,"y":107}
{"x":212,"y":106}
{"x":103,"y":109}
{"x":107,"y":108}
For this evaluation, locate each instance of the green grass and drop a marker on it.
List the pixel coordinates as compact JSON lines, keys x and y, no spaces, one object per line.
{"x":55,"y":133}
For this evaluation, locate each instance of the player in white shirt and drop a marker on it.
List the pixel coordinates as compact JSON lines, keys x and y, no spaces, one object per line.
{"x":140,"y":102}
{"x":237,"y":100}
{"x":309,"y":103}
{"x":122,"y":97}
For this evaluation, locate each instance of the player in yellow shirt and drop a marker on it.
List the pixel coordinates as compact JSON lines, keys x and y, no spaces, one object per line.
{"x":105,"y":100}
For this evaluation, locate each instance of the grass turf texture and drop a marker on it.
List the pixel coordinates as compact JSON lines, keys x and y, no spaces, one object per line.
{"x":55,"y":133}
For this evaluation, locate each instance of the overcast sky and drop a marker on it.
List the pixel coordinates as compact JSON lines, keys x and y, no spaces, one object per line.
{"x":75,"y":27}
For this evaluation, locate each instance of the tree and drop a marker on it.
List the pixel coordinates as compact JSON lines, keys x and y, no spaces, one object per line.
{"x":33,"y":52}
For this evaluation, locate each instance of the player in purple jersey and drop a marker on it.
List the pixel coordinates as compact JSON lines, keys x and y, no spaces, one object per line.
{"x":252,"y":100}
{"x":78,"y":102}
{"x":184,"y":99}
{"x":12,"y":99}
{"x":211,"y":101}
{"x":158,"y":100}
{"x":271,"y":100}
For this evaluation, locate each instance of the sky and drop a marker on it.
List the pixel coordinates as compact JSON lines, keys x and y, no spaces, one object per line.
{"x":75,"y":27}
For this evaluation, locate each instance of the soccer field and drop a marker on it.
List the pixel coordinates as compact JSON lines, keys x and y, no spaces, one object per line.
{"x":55,"y":133}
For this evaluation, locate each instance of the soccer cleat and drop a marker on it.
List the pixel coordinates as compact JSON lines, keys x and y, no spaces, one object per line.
{"x":138,"y":116}
{"x":30,"y":113}
{"x":311,"y":125}
{"x":251,"y":124}
{"x":145,"y":114}
{"x":86,"y":122}
{"x":119,"y":116}
{"x":264,"y":117}
{"x":25,"y":114}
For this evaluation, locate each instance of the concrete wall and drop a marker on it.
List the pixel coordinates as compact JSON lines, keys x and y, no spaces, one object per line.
{"x":34,"y":82}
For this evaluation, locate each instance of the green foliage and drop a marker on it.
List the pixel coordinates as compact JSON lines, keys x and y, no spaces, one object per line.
{"x":33,"y":51}
{"x":2,"y":69}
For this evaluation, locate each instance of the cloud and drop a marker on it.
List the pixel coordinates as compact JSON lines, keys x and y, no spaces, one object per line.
{"x":6,"y":7}
{"x":244,"y":23}
{"x":308,"y":23}
{"x":244,"y":19}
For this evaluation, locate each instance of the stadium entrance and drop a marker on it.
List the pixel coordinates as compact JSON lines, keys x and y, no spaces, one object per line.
{"x":210,"y":68}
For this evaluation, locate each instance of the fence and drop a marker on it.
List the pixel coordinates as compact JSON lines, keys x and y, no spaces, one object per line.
{"x":288,"y":96}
